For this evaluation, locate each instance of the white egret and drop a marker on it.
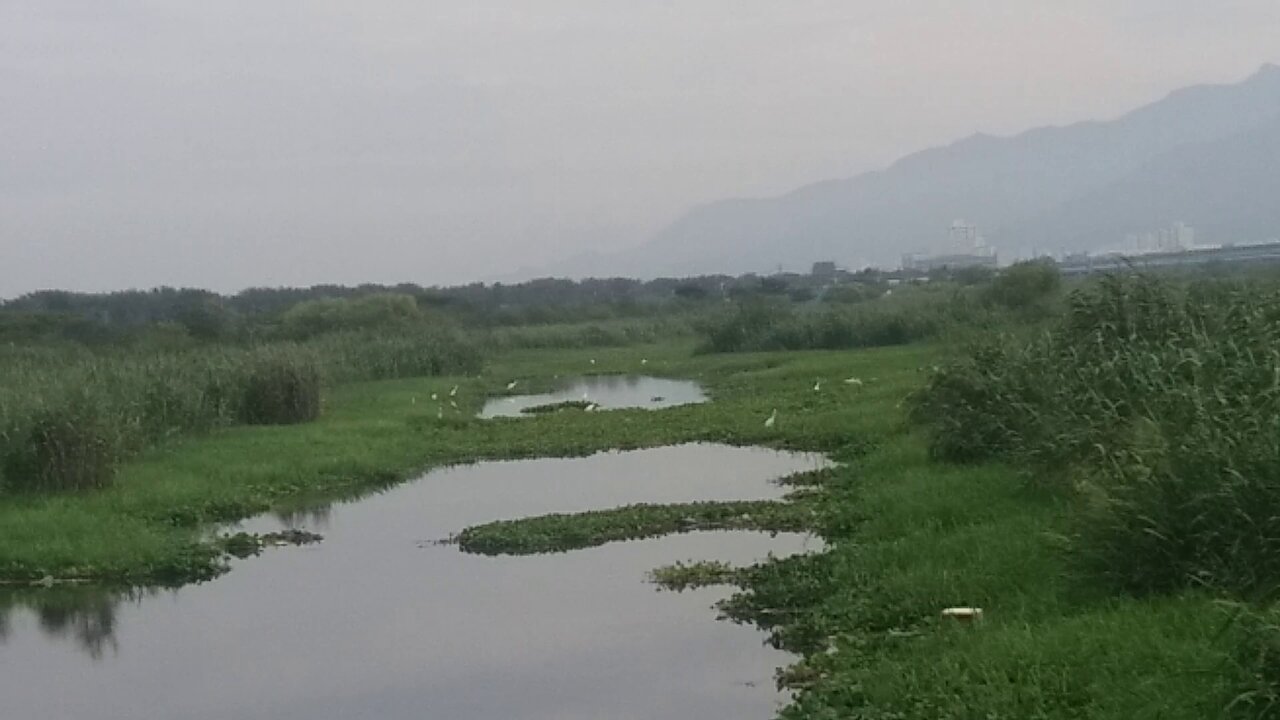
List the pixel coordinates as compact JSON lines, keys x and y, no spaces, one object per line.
{"x":453,"y":392}
{"x":440,"y":413}
{"x":644,"y":361}
{"x":435,"y":396}
{"x":593,"y":361}
{"x":453,"y":405}
{"x":817,"y":385}
{"x":963,"y":614}
{"x":773,"y":418}
{"x":852,"y":381}
{"x":591,"y":408}
{"x":512,"y":385}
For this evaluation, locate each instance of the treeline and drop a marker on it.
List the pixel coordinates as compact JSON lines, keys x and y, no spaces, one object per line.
{"x":876,"y":314}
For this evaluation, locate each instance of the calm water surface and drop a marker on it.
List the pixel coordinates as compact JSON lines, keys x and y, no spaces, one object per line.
{"x":610,"y":392}
{"x":379,"y":622}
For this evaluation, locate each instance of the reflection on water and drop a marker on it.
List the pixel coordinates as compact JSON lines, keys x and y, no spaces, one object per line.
{"x":610,"y":392}
{"x":313,"y":517}
{"x":83,"y":615}
{"x":377,"y":621}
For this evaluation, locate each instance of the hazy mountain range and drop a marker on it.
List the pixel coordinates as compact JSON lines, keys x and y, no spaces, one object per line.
{"x":1208,"y":155}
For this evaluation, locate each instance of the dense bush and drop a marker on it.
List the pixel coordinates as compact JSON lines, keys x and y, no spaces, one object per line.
{"x":1166,"y":409}
{"x":757,"y":324}
{"x":65,"y":449}
{"x":370,"y":312}
{"x":1023,"y":285}
{"x":281,"y":390}
{"x":57,"y":399}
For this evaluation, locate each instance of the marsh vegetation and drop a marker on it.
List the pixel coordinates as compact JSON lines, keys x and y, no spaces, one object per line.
{"x":1093,"y":463}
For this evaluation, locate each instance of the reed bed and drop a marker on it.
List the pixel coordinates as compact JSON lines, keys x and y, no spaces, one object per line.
{"x":1157,"y":409}
{"x":68,"y":415}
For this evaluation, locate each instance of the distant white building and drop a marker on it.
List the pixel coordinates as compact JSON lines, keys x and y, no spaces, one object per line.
{"x":969,"y":249}
{"x":1178,"y":237}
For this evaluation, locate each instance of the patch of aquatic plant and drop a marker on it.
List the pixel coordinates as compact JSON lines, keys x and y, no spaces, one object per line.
{"x":564,"y":532}
{"x":556,"y":407}
{"x":683,"y":576}
{"x":243,"y":544}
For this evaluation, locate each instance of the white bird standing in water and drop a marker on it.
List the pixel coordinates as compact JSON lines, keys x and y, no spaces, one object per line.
{"x":773,"y":418}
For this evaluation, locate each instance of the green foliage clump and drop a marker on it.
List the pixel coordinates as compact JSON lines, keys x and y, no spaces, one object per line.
{"x":64,"y":449}
{"x":1023,"y":285}
{"x":563,"y":532}
{"x":1164,"y":411}
{"x":281,"y":390}
{"x":759,"y":324}
{"x":317,"y":317}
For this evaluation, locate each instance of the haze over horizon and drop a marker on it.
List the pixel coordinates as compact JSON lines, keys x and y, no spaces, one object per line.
{"x":239,"y":144}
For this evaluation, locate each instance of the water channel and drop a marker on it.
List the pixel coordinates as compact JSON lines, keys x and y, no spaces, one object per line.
{"x":379,"y":621}
{"x":609,"y":392}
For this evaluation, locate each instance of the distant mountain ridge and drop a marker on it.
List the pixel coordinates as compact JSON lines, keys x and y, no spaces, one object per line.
{"x":1206,"y":154}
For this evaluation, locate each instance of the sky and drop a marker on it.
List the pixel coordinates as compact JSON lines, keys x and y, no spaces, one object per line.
{"x":246,"y":143}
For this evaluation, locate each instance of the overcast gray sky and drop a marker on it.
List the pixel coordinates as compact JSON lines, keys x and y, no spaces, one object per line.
{"x":232,"y":143}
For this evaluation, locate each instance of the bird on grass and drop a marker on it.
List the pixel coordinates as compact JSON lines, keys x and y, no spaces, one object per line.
{"x":453,"y":392}
{"x":435,"y":396}
{"x":773,"y":418}
{"x":440,"y":412}
{"x":512,"y":385}
{"x":593,"y":361}
{"x":817,"y":385}
{"x":644,"y":361}
{"x":852,"y":381}
{"x":963,"y":614}
{"x":453,"y":404}
{"x":591,"y":408}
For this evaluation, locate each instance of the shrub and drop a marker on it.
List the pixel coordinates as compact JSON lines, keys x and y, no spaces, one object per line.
{"x":67,"y":449}
{"x":317,"y":317}
{"x":282,"y":390}
{"x":1165,"y":407}
{"x":1024,"y":285}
